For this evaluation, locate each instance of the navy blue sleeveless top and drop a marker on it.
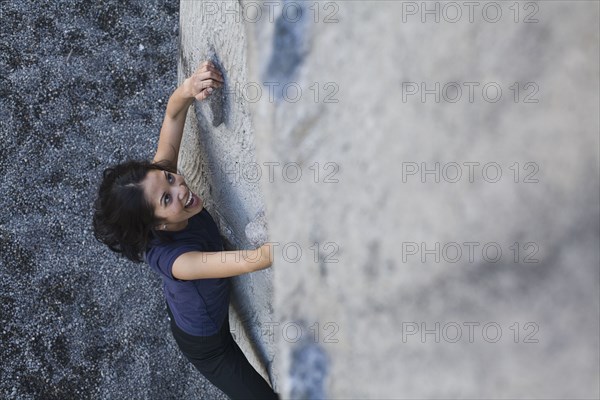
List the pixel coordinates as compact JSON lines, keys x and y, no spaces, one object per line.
{"x":199,"y":306}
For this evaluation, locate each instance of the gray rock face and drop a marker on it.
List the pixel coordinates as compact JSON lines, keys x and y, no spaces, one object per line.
{"x":257,"y":231}
{"x":440,"y":197}
{"x":218,"y":160}
{"x":310,"y":369}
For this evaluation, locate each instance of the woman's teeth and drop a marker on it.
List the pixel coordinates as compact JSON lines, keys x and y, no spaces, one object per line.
{"x":190,"y":199}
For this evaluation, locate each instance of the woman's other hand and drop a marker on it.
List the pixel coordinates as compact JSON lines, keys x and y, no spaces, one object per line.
{"x":204,"y":81}
{"x":222,"y":264}
{"x":267,"y":251}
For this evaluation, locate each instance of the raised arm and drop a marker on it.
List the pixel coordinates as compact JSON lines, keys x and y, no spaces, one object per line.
{"x":223,"y":264}
{"x":199,"y":86}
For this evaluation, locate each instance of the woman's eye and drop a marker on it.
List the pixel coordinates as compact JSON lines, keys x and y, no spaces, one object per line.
{"x":170,"y":178}
{"x":167,"y":199}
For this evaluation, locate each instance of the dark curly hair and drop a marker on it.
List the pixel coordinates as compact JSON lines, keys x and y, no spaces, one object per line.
{"x":123,"y":219}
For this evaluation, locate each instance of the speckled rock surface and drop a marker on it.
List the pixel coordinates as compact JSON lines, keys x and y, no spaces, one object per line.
{"x":83,"y":85}
{"x":398,"y":250}
{"x":257,"y":230}
{"x":218,"y":159}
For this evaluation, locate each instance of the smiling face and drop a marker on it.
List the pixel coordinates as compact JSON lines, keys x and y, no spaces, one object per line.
{"x":173,"y":202}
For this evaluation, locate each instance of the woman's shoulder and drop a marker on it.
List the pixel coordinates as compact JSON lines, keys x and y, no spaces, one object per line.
{"x":201,"y":233}
{"x":161,"y":254}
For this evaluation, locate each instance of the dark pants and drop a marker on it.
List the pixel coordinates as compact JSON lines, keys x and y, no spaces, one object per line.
{"x":222,"y":362}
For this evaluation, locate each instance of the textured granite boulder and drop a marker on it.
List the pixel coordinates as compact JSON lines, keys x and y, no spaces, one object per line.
{"x":216,"y":157}
{"x":438,"y":175}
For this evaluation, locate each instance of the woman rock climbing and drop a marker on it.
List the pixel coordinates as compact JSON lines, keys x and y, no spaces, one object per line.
{"x":146,"y":212}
